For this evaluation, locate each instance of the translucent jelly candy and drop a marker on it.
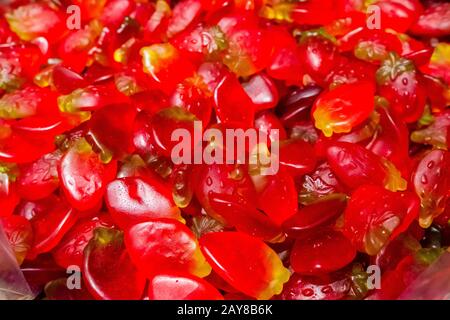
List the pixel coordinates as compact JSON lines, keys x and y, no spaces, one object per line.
{"x":165,"y":245}
{"x":268,"y":274}
{"x":245,"y":149}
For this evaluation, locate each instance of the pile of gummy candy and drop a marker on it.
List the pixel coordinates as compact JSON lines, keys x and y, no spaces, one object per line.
{"x":354,"y":95}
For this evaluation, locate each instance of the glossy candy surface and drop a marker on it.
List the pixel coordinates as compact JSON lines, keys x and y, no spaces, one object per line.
{"x":268,"y":274}
{"x":107,"y":266}
{"x":181,"y":287}
{"x":226,"y":149}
